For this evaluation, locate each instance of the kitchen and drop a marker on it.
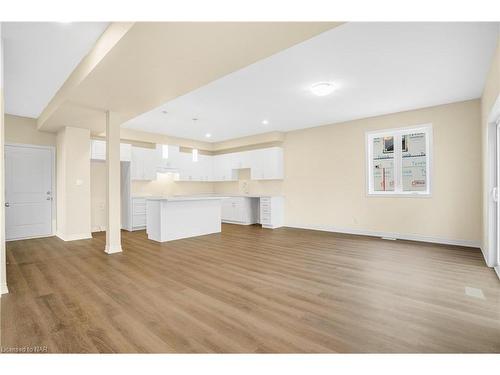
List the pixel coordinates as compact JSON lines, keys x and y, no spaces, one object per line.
{"x":153,"y":173}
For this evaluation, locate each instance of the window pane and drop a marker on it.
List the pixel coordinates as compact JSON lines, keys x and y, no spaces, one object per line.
{"x":383,"y":164}
{"x":414,"y":164}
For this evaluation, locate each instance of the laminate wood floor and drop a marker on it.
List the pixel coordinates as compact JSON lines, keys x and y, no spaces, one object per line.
{"x":249,"y":289}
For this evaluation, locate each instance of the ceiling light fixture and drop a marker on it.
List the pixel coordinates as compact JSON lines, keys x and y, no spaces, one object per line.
{"x":208,"y":135}
{"x":323,"y":88}
{"x":265,"y":122}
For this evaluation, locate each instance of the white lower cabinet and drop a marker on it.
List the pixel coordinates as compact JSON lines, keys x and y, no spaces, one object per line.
{"x":240,"y":210}
{"x":271,"y":212}
{"x":138,"y":213}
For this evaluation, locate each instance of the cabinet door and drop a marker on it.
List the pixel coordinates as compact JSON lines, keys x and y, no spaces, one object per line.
{"x":125,"y":152}
{"x":136,"y":164}
{"x":239,"y":210}
{"x":267,"y":164}
{"x":151,"y":162}
{"x":227,"y":212}
{"x":98,"y":149}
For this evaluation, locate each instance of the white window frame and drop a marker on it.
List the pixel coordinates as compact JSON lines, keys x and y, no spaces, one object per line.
{"x":398,"y":183}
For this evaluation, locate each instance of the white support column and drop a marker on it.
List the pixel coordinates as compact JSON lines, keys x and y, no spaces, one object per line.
{"x":113,"y":227}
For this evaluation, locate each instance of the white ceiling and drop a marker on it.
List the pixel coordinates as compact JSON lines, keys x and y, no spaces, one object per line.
{"x":379,"y":68}
{"x":39,"y":57}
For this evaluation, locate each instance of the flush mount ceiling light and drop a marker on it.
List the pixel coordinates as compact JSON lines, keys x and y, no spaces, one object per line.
{"x":208,"y":135}
{"x":265,"y":122}
{"x":322,"y":88}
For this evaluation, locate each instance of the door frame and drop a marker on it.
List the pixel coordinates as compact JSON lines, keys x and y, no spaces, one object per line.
{"x":492,"y":257}
{"x":52,"y":150}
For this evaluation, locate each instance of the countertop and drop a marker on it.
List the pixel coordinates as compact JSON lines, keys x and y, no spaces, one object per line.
{"x":185,"y":198}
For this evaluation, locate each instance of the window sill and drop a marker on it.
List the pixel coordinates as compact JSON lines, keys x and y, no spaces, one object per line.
{"x":399,"y":195}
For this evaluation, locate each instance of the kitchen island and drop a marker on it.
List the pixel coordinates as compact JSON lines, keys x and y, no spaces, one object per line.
{"x":173,"y":218}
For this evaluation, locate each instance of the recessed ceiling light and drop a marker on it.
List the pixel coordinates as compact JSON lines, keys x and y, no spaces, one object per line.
{"x":208,"y":135}
{"x":265,"y":122}
{"x":323,"y":88}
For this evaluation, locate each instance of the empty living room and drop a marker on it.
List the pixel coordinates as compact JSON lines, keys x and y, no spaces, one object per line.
{"x":195,"y":178}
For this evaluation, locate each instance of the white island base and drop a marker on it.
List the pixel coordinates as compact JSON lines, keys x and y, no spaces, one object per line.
{"x":173,"y":218}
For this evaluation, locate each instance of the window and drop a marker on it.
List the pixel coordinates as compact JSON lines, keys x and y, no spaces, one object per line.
{"x":399,"y":161}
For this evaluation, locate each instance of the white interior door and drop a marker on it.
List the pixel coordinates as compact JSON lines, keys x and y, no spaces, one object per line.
{"x":28,"y":192}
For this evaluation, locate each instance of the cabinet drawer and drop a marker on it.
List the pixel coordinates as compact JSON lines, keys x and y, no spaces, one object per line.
{"x":139,"y":209}
{"x":138,"y":220}
{"x":266,"y":219}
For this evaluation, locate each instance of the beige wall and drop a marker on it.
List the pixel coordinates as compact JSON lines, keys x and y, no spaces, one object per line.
{"x":98,"y":195}
{"x":325,"y":178}
{"x":325,"y":183}
{"x":23,"y":130}
{"x":73,"y":183}
{"x":490,"y":95}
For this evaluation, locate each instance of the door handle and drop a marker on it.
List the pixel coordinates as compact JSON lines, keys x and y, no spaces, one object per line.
{"x":7,"y":204}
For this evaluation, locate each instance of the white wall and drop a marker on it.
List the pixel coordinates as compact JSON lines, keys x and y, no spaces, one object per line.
{"x":3,"y":262}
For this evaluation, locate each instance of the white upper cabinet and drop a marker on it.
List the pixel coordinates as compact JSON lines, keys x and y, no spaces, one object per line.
{"x":98,"y":150}
{"x":264,"y":164}
{"x":267,"y":164}
{"x":168,"y":158}
{"x":225,"y":167}
{"x":125,"y":152}
{"x":190,"y":170}
{"x":144,"y":163}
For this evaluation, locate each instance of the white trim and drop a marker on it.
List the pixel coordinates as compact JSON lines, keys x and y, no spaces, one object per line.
{"x":397,"y":133}
{"x":52,"y":150}
{"x":113,"y":249}
{"x":3,"y":289}
{"x":490,"y":255}
{"x":30,"y":238}
{"x":497,"y":271}
{"x":74,"y":237}
{"x":399,"y":236}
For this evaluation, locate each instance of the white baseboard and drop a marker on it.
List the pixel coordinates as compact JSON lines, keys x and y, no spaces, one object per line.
{"x":4,"y":289}
{"x":497,"y":270}
{"x":399,"y":236}
{"x":486,"y":257}
{"x":113,"y":249}
{"x":74,"y":237}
